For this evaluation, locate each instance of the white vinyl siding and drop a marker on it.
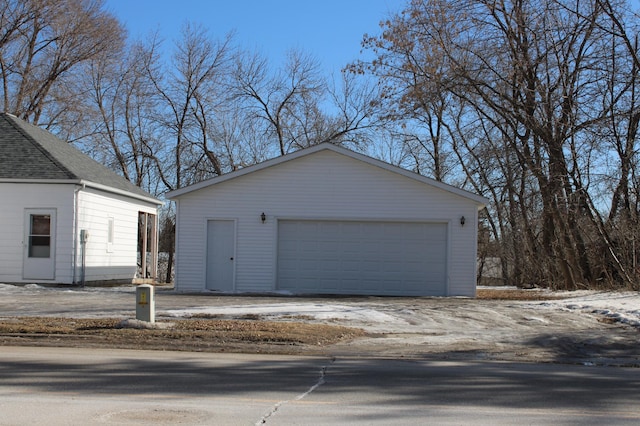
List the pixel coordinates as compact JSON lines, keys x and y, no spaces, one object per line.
{"x":94,"y":209}
{"x":325,"y":185}
{"x":105,"y":260}
{"x":17,"y":198}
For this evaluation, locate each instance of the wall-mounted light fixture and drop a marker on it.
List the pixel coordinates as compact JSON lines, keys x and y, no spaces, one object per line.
{"x":263,"y":217}
{"x":462,"y":221}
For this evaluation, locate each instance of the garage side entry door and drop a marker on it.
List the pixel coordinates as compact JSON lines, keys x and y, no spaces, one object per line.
{"x":220,"y":255}
{"x":376,"y":258}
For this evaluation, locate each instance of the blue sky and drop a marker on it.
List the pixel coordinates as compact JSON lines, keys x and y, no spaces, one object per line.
{"x":330,"y":30}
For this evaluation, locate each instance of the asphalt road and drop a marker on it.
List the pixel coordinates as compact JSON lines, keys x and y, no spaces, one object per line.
{"x":58,"y":386}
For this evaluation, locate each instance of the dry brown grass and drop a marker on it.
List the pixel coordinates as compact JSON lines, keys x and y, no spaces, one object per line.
{"x":185,"y":334}
{"x":515,"y":294}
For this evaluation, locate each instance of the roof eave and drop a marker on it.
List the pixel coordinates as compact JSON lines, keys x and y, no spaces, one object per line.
{"x":122,"y":192}
{"x":86,"y":183}
{"x":41,"y":181}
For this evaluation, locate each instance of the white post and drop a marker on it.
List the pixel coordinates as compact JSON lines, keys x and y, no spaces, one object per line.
{"x":145,"y":303}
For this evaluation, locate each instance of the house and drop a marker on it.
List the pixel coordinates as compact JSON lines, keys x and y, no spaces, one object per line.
{"x":326,"y":220}
{"x":67,"y":219}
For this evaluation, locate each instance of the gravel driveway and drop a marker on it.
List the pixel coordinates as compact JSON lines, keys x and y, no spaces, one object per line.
{"x":431,"y":328}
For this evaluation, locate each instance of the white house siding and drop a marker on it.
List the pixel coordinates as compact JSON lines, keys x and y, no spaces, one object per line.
{"x":15,"y":199}
{"x":94,"y":209}
{"x":103,"y":261}
{"x":321,"y":186}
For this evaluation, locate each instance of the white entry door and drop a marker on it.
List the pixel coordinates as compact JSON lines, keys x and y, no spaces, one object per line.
{"x":39,"y":245}
{"x":220,"y":254}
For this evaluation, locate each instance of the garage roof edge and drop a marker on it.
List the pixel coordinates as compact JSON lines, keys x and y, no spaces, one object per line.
{"x":481,"y":201}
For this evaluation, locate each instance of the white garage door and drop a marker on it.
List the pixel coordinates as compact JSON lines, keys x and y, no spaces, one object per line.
{"x":377,"y":258}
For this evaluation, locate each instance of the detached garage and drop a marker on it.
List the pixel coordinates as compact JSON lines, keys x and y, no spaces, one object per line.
{"x":326,"y":220}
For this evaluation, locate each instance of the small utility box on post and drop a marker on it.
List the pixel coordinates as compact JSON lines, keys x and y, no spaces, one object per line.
{"x":145,"y":303}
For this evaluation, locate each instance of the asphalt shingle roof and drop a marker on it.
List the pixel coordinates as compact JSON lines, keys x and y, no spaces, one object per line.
{"x":29,"y":152}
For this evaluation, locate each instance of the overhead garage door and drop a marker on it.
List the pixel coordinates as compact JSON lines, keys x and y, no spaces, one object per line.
{"x":376,"y":258}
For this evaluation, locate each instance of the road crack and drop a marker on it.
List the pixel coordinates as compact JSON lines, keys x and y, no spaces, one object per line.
{"x":276,"y":406}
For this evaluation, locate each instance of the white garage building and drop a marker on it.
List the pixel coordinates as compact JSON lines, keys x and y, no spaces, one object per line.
{"x":326,"y":220}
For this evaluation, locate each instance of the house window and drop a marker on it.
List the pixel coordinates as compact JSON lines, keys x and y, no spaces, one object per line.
{"x":110,"y":234}
{"x":40,"y":235}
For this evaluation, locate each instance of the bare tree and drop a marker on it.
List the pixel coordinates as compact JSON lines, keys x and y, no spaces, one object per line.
{"x":189,"y":96}
{"x":123,"y":102}
{"x":517,"y":88}
{"x":285,"y":106}
{"x":358,"y":118}
{"x":42,"y":43}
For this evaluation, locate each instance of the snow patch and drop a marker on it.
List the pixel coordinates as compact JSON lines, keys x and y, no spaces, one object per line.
{"x":317,"y":311}
{"x":623,"y":307}
{"x":134,"y":323}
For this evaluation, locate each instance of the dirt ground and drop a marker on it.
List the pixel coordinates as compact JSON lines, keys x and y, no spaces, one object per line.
{"x":498,"y":325}
{"x":196,"y":334}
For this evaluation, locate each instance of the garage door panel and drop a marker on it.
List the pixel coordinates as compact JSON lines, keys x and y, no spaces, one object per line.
{"x":289,"y":245}
{"x":350,"y":247}
{"x":352,"y":285}
{"x":329,"y":284}
{"x":417,"y":252}
{"x":374,"y":247}
{"x":391,"y":266}
{"x":306,"y":226}
{"x":308,"y":265}
{"x":328,"y":265}
{"x":329,"y":249}
{"x":308,"y":284}
{"x":391,"y":258}
{"x":370,"y":267}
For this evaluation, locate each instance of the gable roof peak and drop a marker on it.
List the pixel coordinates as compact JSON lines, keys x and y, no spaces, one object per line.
{"x":328,"y":146}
